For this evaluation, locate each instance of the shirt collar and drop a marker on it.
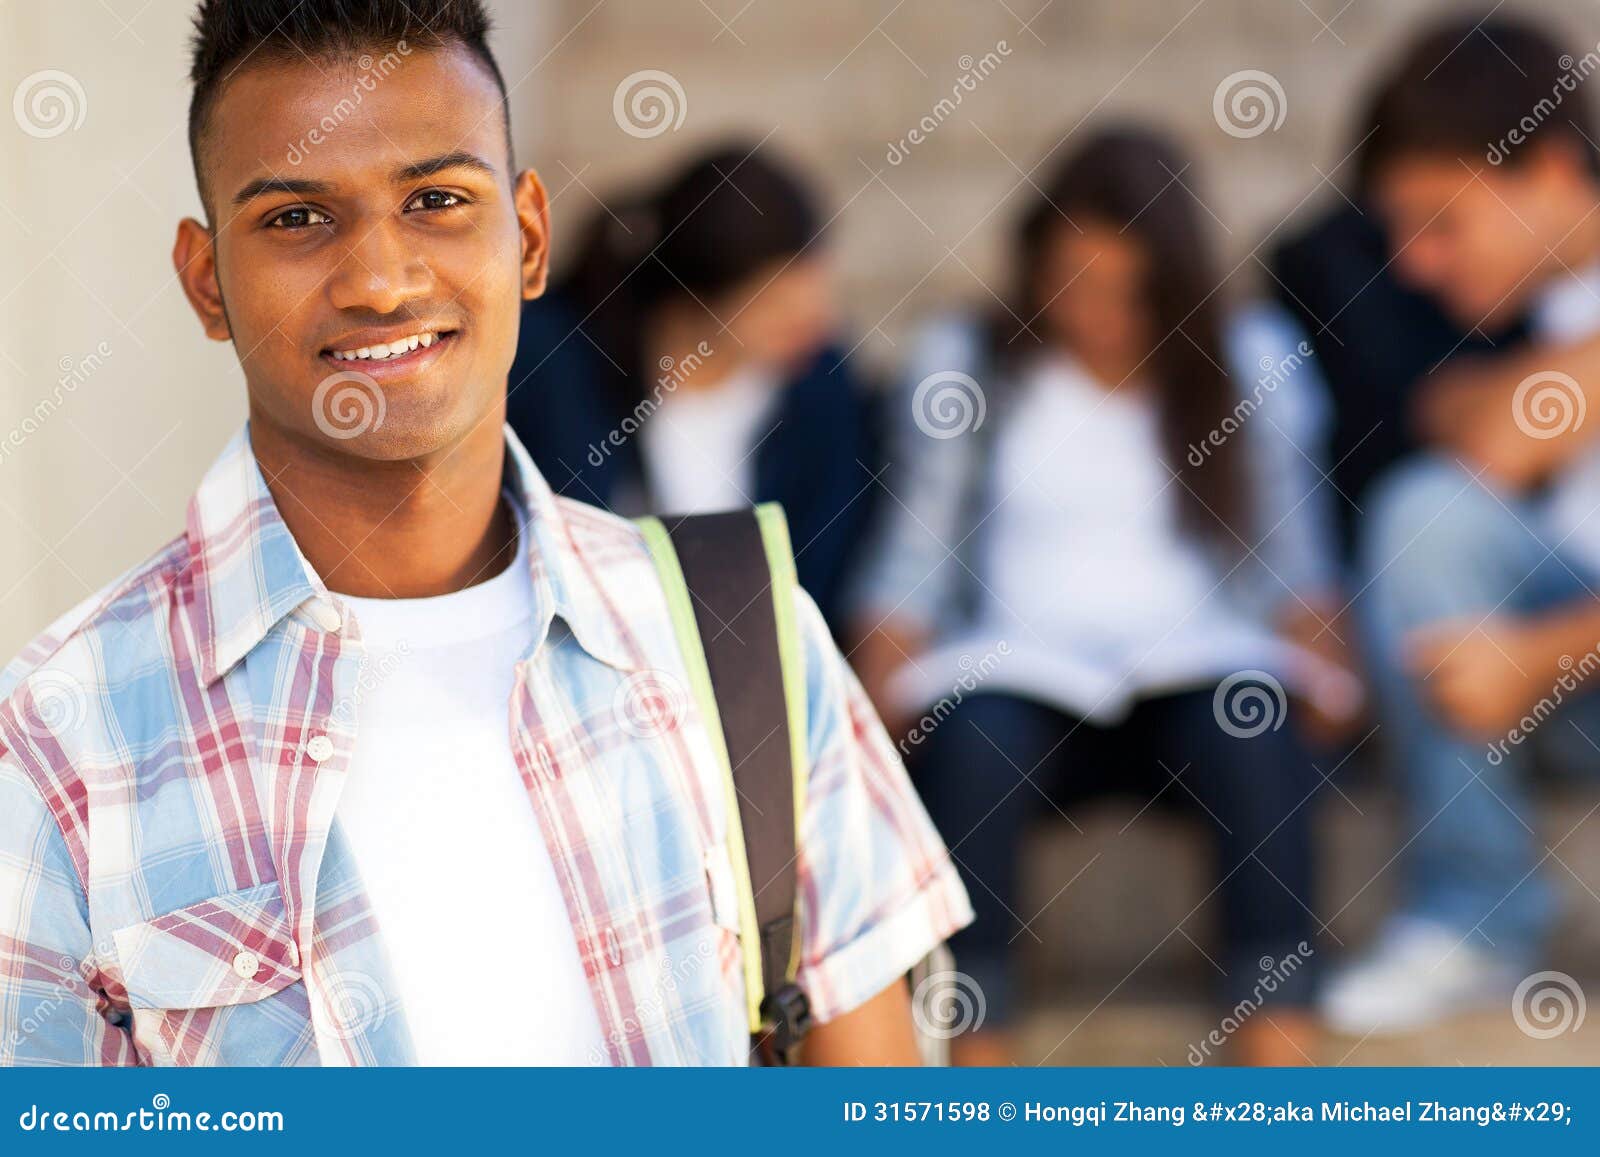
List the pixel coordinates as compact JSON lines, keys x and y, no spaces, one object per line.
{"x":246,"y":573}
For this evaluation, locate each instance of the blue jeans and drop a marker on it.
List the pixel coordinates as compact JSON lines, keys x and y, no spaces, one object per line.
{"x":1438,"y":544}
{"x":993,"y":763}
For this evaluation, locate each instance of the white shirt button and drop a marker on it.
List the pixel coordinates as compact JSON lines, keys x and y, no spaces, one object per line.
{"x":324,"y":614}
{"x":246,"y":965}
{"x":319,"y":747}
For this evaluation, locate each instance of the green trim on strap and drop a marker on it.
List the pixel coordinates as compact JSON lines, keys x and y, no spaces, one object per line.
{"x":694,"y":657}
{"x":791,"y":653}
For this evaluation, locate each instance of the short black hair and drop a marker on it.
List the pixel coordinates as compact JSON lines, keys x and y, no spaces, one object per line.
{"x":1478,"y":87}
{"x":227,"y":33}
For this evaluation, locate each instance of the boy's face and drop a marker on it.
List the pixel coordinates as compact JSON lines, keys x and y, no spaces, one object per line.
{"x":353,"y":210}
{"x":1475,"y":237}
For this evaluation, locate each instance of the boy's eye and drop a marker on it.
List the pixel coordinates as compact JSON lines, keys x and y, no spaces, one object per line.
{"x":433,"y":199}
{"x":299,"y":218}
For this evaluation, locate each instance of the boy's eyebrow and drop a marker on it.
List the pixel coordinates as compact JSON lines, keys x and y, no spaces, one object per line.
{"x":276,"y":184}
{"x":455,"y":160}
{"x":304,"y":187}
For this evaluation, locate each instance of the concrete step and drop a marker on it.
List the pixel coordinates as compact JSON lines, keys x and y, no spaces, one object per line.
{"x":1134,"y":919}
{"x":1174,"y":1033}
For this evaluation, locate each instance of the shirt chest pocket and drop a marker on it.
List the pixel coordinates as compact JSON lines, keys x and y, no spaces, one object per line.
{"x":233,"y":948}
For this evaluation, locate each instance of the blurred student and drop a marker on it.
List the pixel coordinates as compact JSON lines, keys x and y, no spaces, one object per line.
{"x":1376,"y":339}
{"x":1108,"y":521}
{"x":1481,"y":559}
{"x":684,"y":363}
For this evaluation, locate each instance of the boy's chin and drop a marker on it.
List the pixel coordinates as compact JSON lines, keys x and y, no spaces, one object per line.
{"x":1487,"y":314}
{"x":398,"y":433}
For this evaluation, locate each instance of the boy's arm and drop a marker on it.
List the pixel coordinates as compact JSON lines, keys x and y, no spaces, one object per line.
{"x":879,"y":1032}
{"x":1483,"y":675}
{"x":50,"y":1010}
{"x":1522,"y":416}
{"x":877,"y":889}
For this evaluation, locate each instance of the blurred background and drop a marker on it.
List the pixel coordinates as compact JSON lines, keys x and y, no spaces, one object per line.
{"x":923,"y":190}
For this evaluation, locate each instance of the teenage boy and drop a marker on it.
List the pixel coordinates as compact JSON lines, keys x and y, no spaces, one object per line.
{"x":1481,"y":559}
{"x":378,"y":609}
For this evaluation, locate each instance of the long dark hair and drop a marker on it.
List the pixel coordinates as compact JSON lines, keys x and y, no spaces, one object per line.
{"x":722,"y":217}
{"x":1134,"y":180}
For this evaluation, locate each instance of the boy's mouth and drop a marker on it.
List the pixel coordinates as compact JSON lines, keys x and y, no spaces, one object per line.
{"x":384,"y":350}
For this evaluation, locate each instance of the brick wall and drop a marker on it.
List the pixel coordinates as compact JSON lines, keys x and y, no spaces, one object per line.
{"x":836,"y":81}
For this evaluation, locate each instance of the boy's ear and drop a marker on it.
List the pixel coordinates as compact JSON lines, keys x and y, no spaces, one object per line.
{"x":533,"y":222}
{"x":194,"y":258}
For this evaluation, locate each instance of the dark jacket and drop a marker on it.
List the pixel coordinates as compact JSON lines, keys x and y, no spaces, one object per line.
{"x":813,"y":456}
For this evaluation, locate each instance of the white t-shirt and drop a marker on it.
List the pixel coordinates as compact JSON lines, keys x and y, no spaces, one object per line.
{"x":1088,"y":579}
{"x":699,"y":446}
{"x":446,"y":839}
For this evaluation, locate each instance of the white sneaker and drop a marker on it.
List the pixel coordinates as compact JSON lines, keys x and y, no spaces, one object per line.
{"x":1418,"y":973}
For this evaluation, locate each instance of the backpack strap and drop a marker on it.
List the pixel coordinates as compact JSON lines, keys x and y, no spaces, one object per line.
{"x":729,"y":580}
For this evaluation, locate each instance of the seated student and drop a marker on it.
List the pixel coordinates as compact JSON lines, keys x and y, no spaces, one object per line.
{"x":1376,"y":341}
{"x":1107,"y":509}
{"x":1481,"y":560}
{"x":683,"y":365}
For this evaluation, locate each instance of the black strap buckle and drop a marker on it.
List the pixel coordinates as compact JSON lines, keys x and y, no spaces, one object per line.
{"x":788,"y":1013}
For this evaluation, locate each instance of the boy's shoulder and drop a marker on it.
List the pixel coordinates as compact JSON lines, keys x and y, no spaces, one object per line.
{"x":143,"y":591}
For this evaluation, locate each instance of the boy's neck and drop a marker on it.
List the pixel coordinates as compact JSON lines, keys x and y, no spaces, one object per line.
{"x":411,"y":528}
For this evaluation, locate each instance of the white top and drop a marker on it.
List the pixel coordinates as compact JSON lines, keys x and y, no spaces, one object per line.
{"x":433,"y":807}
{"x":699,"y":446}
{"x":1087,"y":577}
{"x":1569,"y":310}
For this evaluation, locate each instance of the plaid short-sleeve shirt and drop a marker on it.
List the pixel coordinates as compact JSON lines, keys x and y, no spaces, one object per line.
{"x":174,"y":888}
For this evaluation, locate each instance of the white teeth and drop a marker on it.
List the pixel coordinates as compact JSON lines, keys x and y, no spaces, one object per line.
{"x":387,"y":349}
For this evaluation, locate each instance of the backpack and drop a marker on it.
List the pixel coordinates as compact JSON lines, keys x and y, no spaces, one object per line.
{"x":729,"y":579}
